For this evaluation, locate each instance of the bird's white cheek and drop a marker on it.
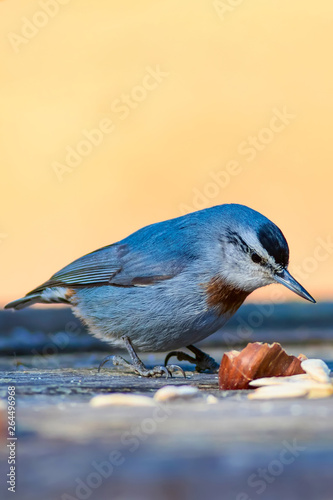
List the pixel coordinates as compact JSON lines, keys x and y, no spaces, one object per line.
{"x":265,"y":279}
{"x":247,"y":278}
{"x":239,"y":279}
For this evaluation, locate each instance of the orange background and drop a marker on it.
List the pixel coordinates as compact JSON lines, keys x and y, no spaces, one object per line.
{"x":226,"y":73}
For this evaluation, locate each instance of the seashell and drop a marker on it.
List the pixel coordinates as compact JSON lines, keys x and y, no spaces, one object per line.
{"x":120,"y":399}
{"x":257,"y":360}
{"x":302,"y":357}
{"x":295,"y":386}
{"x":317,"y":369}
{"x":280,"y":391}
{"x":173,"y":392}
{"x":211,"y":400}
{"x":320,"y":391}
{"x":261,"y":382}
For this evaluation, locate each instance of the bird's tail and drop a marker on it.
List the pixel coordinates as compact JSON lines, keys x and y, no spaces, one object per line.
{"x":43,"y":295}
{"x":26,"y":301}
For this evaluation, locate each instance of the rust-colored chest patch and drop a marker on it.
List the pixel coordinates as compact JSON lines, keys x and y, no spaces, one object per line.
{"x":226,"y":298}
{"x":71,"y":296}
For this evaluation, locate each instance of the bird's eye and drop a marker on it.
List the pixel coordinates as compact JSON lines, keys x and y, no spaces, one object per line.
{"x":256,"y":258}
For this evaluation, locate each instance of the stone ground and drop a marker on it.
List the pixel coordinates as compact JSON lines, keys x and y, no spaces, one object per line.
{"x":234,"y":449}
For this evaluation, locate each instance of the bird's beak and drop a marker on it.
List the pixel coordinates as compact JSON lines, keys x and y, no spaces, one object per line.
{"x":285,"y":278}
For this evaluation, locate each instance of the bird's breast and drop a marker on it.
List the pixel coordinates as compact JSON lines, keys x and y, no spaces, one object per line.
{"x":225,"y":298}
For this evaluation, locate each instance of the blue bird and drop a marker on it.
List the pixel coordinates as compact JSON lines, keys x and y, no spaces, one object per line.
{"x":171,"y":284}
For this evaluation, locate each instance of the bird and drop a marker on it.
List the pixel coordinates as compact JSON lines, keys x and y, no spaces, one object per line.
{"x":171,"y":284}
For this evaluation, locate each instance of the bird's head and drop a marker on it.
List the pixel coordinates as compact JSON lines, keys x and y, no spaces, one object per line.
{"x":254,"y":252}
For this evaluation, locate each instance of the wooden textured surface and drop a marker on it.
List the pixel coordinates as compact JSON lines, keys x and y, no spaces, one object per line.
{"x":235,"y":449}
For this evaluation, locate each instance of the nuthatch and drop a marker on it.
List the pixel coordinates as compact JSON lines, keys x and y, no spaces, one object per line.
{"x":173,"y":283}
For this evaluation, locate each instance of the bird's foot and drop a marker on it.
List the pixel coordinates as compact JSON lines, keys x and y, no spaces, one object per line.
{"x":138,"y":367}
{"x":206,"y":363}
{"x":203,"y":362}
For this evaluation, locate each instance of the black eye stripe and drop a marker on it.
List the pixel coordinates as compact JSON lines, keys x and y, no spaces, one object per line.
{"x":270,"y":237}
{"x":236,"y":239}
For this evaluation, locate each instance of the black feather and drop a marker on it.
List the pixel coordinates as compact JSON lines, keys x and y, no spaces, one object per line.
{"x":274,"y":243}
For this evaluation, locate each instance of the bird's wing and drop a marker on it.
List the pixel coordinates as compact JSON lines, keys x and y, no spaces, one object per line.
{"x":117,"y":265}
{"x":95,"y":268}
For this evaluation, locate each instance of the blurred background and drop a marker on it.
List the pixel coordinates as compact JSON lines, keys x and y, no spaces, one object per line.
{"x":115,"y":115}
{"x":118,"y":114}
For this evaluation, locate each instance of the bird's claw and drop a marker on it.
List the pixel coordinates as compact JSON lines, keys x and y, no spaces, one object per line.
{"x":140,"y":369}
{"x":180,"y":355}
{"x":202,"y":361}
{"x":110,"y":357}
{"x":206,"y":362}
{"x":160,"y":370}
{"x":175,"y":368}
